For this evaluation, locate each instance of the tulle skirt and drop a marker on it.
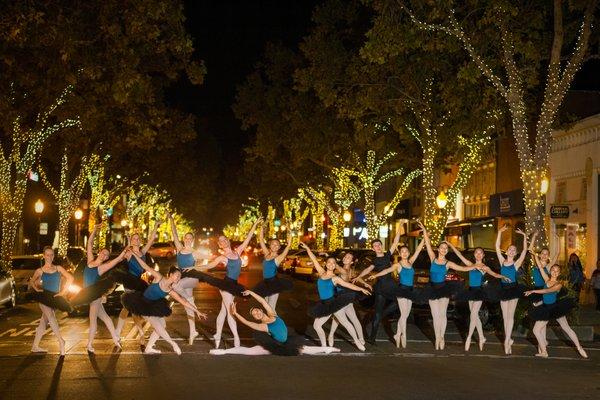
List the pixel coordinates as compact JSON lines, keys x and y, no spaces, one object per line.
{"x":129,"y":281}
{"x":323,"y":308}
{"x":137,"y":304}
{"x":291,"y":347}
{"x":471,"y":294}
{"x":504,"y":292}
{"x":405,"y":292}
{"x":50,"y":299}
{"x":88,"y":294}
{"x":270,"y":286}
{"x":546,"y":312}
{"x":536,"y":297}
{"x":227,"y":284}
{"x":446,"y":289}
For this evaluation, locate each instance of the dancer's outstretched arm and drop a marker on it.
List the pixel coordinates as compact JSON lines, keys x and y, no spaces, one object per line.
{"x":103,"y":268}
{"x":253,"y":325}
{"x":90,"y":244}
{"x":501,"y":258}
{"x":152,"y":237}
{"x":521,"y":258}
{"x":413,"y":258}
{"x":313,"y":258}
{"x":240,"y":249}
{"x":174,"y":234}
{"x":268,"y":309}
{"x":192,"y":307}
{"x":155,"y":274}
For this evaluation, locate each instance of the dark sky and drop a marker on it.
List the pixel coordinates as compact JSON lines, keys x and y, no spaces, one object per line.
{"x":230,"y":36}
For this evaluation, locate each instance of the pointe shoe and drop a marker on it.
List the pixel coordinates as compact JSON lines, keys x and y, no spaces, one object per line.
{"x":90,"y":350}
{"x":236,"y":342}
{"x":332,"y":350}
{"x":437,"y":343}
{"x":193,"y":335}
{"x":359,"y":345}
{"x":176,"y":348}
{"x":362,"y":340}
{"x":61,"y":345}
{"x":117,"y":343}
{"x":217,"y":340}
{"x":216,"y":352}
{"x":442,"y":344}
{"x":330,"y":340}
{"x":542,"y":355}
{"x":481,"y":343}
{"x":582,"y":352}
{"x":37,"y":349}
{"x":397,"y":340}
{"x":403,"y":341}
{"x":151,"y":350}
{"x":142,"y":341}
{"x":467,"y":344}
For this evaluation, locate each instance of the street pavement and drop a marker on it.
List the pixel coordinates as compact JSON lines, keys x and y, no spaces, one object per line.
{"x":381,"y":372}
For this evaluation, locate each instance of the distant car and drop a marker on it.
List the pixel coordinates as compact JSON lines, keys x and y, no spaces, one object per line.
{"x":113,"y":300}
{"x":8,"y":291}
{"x":298,"y":264}
{"x":364,"y":257}
{"x":22,"y":269}
{"x":163,"y":250}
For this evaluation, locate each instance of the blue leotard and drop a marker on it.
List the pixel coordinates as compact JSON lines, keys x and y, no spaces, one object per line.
{"x":538,"y":279}
{"x":510,"y":272}
{"x":437,"y":272}
{"x":154,"y":292}
{"x":134,"y":266}
{"x":234,"y":268}
{"x":407,"y":276}
{"x":185,"y":260}
{"x":475,"y":278}
{"x":549,"y":298}
{"x":278,"y":330}
{"x":90,"y":276}
{"x":326,"y":288}
{"x":51,"y":281}
{"x":269,"y":268}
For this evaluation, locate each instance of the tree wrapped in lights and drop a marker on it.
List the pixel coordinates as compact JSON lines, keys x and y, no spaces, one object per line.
{"x":146,"y":203}
{"x":67,"y":196}
{"x":512,"y":67}
{"x":271,"y":221}
{"x":294,"y":215}
{"x":367,"y":172}
{"x":17,"y":157}
{"x":316,"y":200}
{"x":245,"y":221}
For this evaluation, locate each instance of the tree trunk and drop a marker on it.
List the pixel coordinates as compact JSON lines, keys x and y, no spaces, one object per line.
{"x":370,"y":217}
{"x":336,"y":232}
{"x":63,"y":233}
{"x":534,"y":205}
{"x":9,"y":233}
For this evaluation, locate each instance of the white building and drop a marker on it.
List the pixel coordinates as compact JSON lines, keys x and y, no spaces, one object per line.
{"x":574,"y":170}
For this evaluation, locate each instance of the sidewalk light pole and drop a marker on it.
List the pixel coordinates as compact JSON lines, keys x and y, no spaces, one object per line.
{"x":39,"y":209}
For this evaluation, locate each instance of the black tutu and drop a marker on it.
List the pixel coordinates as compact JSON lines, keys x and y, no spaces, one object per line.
{"x":547,"y":312}
{"x":88,"y":294}
{"x":471,"y":294}
{"x":386,"y":286}
{"x":227,"y":284}
{"x":536,"y":297}
{"x":504,"y":292}
{"x":137,"y":304}
{"x":291,"y":347}
{"x":273,"y":285}
{"x":50,"y":299}
{"x":405,"y":292}
{"x":436,"y":291}
{"x":327,"y":307}
{"x":129,"y":281}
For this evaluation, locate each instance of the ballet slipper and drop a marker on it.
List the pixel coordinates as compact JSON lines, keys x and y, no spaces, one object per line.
{"x":193,"y":335}
{"x":582,"y":352}
{"x":38,"y":349}
{"x":397,"y":340}
{"x":468,"y":344}
{"x":481,"y":343}
{"x":151,"y":350}
{"x":217,"y":340}
{"x":217,"y":352}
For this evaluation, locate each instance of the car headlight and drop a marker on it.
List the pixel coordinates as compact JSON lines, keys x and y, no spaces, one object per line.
{"x":73,"y":289}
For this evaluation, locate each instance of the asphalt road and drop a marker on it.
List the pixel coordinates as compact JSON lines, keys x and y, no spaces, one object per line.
{"x":381,"y":372}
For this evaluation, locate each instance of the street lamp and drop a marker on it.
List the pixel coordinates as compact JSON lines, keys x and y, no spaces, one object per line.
{"x":39,"y":209}
{"x":347,"y":216}
{"x":124,"y":223}
{"x":78,"y":216}
{"x":441,"y":200}
{"x":544,"y":185}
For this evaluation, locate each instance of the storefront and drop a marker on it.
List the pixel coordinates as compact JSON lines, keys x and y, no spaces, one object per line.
{"x":572,"y":199}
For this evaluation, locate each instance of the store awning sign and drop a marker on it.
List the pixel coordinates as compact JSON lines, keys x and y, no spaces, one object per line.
{"x":559,"y":211}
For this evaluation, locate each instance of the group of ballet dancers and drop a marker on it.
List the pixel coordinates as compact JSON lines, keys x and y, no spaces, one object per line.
{"x":339,"y":287}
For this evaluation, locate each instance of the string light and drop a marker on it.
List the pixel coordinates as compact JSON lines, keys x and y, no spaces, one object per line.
{"x":295,"y":215}
{"x":533,"y":162}
{"x":25,"y":149}
{"x":67,"y":196}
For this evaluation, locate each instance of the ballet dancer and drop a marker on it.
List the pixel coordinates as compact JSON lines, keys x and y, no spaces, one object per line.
{"x":152,"y":305}
{"x":270,"y":334}
{"x":552,"y":309}
{"x":476,"y":294}
{"x":405,"y":292}
{"x":332,"y":303}
{"x":272,"y":285}
{"x":385,"y":302}
{"x":439,"y":291}
{"x":346,"y":273}
{"x":186,"y":260}
{"x":46,"y":284}
{"x":229,"y":286}
{"x":544,"y":260}
{"x":510,"y":292}
{"x":132,"y":281}
{"x":95,"y":286}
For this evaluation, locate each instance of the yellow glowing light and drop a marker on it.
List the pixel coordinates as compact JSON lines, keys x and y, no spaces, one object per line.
{"x":78,"y":214}
{"x":39,"y":206}
{"x":124,"y":223}
{"x":544,"y":185}
{"x":441,"y":200}
{"x":347,"y":216}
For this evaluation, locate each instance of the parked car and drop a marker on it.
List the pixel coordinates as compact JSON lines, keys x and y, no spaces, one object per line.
{"x":163,"y":250}
{"x":22,"y":269}
{"x":363,"y":257}
{"x":8,"y":291}
{"x":113,"y":300}
{"x":298,"y":264}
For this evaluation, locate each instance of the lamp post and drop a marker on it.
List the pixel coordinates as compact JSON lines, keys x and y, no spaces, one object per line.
{"x":78,"y":216}
{"x":347,"y":216}
{"x":39,"y":209}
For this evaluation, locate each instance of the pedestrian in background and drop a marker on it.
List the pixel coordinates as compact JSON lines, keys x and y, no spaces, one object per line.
{"x":576,"y":276}
{"x":595,"y":284}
